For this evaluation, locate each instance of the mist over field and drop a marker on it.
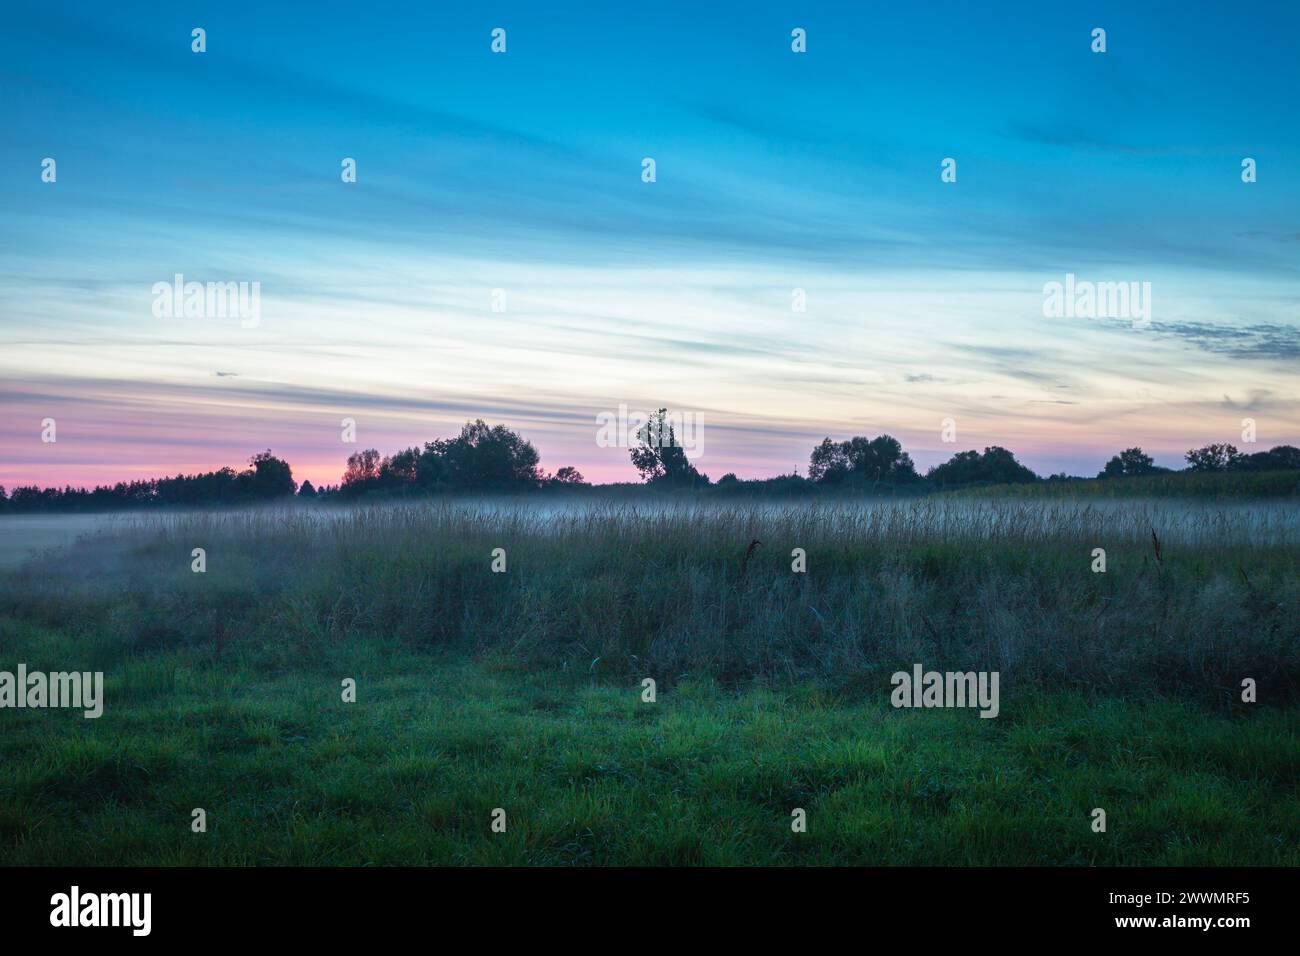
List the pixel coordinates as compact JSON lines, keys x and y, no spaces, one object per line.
{"x":21,"y":536}
{"x":1072,"y":592}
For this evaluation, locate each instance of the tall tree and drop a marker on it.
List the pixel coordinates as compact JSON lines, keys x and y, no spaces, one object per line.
{"x":660,"y":458}
{"x":362,"y":471}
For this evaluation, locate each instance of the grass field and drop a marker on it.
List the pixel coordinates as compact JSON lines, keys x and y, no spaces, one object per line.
{"x":1198,"y":485}
{"x":521,"y":690}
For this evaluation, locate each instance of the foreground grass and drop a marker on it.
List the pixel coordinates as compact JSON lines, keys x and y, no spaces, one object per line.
{"x":1193,"y":598}
{"x":588,"y":774}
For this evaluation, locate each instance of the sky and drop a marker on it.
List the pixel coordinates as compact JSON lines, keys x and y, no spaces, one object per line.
{"x":522,"y":172}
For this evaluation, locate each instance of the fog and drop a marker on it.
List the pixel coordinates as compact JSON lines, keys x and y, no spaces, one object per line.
{"x":1204,"y":523}
{"x":24,"y":535}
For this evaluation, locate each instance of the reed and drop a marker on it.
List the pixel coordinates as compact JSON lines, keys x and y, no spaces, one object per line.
{"x":1195,"y":596}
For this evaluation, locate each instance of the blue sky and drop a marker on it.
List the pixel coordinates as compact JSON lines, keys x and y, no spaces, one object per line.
{"x":521,"y":171}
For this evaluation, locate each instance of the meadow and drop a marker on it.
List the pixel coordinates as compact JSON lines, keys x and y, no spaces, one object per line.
{"x":522,"y":688}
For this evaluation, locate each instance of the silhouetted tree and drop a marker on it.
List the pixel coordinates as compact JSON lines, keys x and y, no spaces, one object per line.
{"x":490,"y":458}
{"x":1130,"y":463}
{"x":1216,"y":457}
{"x":568,"y":475}
{"x":828,"y":462}
{"x":400,"y":470}
{"x":481,"y":458}
{"x":861,"y":459}
{"x":362,"y":471}
{"x":995,"y":466}
{"x":1282,"y":457}
{"x":272,"y":477}
{"x":660,"y":458}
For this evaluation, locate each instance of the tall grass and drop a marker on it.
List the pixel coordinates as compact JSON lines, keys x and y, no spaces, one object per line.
{"x":1225,"y":485}
{"x":659,"y":591}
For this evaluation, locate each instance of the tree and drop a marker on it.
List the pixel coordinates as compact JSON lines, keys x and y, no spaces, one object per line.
{"x":829,"y":462}
{"x":1282,"y":457}
{"x":481,"y":458}
{"x":1216,"y":457}
{"x":995,"y":466}
{"x":880,"y":459}
{"x":1128,"y":463}
{"x":399,"y":470}
{"x":362,"y":471}
{"x":307,"y":490}
{"x":271,"y":477}
{"x":660,"y":458}
{"x":489,"y":458}
{"x":568,"y":475}
{"x":431,"y":467}
{"x":861,"y":459}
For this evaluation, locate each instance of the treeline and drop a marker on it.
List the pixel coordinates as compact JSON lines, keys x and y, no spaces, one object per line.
{"x":481,"y":458}
{"x":882,"y":460}
{"x":266,"y":478}
{"x":492,"y":458}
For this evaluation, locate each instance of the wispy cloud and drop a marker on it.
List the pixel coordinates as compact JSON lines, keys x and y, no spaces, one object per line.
{"x":523,"y":172}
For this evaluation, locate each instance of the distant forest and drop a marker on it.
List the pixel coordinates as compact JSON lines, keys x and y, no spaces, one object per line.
{"x":492,"y":458}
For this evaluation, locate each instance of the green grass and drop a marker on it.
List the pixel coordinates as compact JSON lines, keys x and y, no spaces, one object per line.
{"x":1003,"y":586}
{"x":521,"y":690}
{"x":588,"y":774}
